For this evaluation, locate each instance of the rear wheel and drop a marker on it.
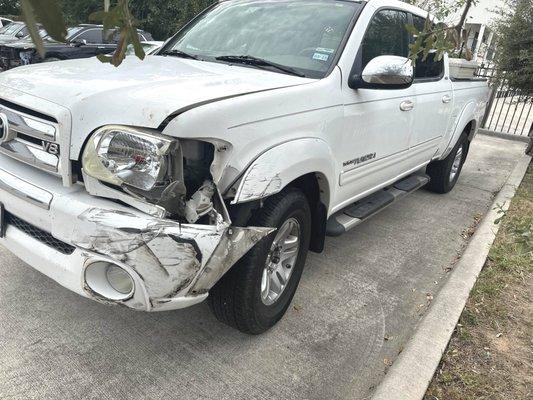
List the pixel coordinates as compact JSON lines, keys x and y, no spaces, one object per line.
{"x":445,"y":173}
{"x":255,"y":294}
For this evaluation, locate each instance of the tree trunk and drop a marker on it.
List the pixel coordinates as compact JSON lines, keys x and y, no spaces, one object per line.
{"x":460,"y":24}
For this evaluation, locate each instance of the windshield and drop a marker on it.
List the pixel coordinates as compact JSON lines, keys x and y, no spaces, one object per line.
{"x":304,"y":35}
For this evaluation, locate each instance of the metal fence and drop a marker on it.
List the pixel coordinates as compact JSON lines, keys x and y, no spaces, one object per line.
{"x":508,"y":110}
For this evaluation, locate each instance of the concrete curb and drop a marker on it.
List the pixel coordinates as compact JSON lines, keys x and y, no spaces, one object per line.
{"x":411,"y":373}
{"x":508,"y":136}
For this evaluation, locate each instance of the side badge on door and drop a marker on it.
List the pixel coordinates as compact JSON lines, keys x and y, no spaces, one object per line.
{"x":359,"y":160}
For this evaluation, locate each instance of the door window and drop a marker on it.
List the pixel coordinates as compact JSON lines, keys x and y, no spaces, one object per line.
{"x":93,"y":36}
{"x":386,"y":35}
{"x":430,"y":67}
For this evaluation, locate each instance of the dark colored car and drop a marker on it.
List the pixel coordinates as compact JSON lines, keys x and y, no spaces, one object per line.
{"x":83,"y":41}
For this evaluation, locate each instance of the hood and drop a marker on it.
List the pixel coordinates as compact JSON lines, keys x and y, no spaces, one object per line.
{"x":138,"y":93}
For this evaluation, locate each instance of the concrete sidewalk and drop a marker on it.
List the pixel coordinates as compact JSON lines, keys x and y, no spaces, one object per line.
{"x":357,"y":305}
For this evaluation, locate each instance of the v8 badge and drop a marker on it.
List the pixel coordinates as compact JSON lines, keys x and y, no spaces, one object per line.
{"x":50,"y":147}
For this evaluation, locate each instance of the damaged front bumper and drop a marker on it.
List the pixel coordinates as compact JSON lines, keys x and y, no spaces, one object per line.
{"x":172,"y":265}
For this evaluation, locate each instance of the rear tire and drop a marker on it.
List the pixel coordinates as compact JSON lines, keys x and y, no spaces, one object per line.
{"x":241,"y":299}
{"x":445,"y":173}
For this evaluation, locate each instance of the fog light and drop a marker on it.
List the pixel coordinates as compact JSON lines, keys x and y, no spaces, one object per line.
{"x":109,"y":280}
{"x":119,"y":279}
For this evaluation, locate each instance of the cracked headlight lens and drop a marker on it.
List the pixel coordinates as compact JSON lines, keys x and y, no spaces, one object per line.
{"x":128,"y":156}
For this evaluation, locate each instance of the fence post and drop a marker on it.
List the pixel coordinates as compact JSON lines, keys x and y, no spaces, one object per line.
{"x":492,"y":96}
{"x":529,"y":149}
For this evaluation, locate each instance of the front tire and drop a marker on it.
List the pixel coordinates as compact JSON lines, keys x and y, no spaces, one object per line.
{"x":255,"y":294}
{"x":445,"y":173}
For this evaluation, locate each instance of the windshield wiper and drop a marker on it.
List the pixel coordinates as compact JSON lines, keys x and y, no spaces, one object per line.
{"x":179,"y":53}
{"x":259,"y":62}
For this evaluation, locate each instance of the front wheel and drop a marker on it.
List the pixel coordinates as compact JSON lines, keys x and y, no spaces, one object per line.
{"x":255,"y":294}
{"x":445,"y":173}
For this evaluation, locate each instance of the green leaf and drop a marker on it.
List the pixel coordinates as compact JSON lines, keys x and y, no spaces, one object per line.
{"x":120,"y":19}
{"x":412,"y":29}
{"x":31,"y":23}
{"x":48,"y":13}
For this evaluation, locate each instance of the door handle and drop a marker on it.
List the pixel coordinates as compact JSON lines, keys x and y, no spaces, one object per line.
{"x":446,"y":98}
{"x":407,"y":105}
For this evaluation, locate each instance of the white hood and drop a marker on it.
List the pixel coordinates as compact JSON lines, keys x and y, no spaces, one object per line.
{"x":138,"y":93}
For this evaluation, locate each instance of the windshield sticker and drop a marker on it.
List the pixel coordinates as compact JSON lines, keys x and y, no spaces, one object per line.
{"x":324,"y":50}
{"x":320,"y":57}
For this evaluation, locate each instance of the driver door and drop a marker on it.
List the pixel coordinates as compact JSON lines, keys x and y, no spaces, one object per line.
{"x":377,"y":122}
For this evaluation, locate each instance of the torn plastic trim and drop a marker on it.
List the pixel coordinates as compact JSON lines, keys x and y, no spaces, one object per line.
{"x":234,"y":244}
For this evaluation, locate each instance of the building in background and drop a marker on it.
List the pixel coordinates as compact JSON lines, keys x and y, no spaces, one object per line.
{"x":481,"y":40}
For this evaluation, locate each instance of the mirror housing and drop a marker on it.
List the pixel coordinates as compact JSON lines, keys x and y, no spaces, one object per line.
{"x":79,"y":42}
{"x":384,"y":72}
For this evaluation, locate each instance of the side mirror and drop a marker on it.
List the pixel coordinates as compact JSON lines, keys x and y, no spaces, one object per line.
{"x":385,"y":72}
{"x":79,"y":42}
{"x":19,"y":35}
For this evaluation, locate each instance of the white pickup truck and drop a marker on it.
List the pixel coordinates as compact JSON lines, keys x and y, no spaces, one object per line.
{"x":212,"y":167}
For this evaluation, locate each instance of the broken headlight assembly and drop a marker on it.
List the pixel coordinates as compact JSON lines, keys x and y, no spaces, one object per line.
{"x":149,"y":166}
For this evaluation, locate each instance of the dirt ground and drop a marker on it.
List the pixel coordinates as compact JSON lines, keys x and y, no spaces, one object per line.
{"x":490,"y":355}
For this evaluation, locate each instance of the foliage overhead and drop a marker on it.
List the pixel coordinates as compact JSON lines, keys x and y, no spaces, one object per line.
{"x":514,"y":58}
{"x":119,"y":16}
{"x":9,"y":7}
{"x":162,"y":18}
{"x":48,"y":13}
{"x":437,"y":36}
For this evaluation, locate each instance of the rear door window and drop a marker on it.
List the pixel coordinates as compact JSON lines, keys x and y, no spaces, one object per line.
{"x":431,"y":67}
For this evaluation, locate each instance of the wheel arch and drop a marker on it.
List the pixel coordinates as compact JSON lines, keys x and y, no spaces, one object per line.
{"x":307,"y":164}
{"x":466,"y":123}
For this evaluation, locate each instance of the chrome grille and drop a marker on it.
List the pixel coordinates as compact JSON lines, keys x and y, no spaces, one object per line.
{"x":30,"y":139}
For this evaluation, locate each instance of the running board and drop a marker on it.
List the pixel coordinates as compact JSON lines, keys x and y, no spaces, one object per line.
{"x":363,"y":209}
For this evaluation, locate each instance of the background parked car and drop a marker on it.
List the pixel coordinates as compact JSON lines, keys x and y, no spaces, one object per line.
{"x":83,"y":41}
{"x":13,"y":32}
